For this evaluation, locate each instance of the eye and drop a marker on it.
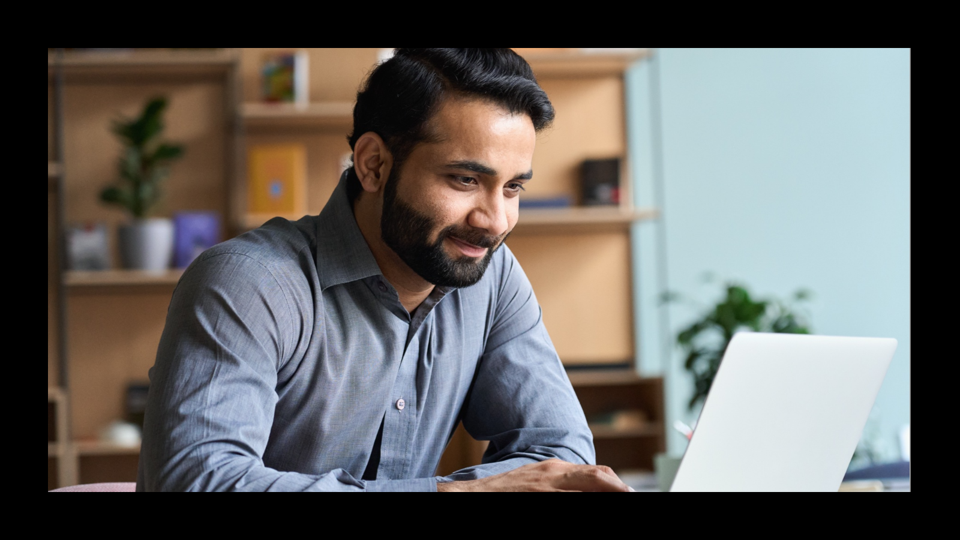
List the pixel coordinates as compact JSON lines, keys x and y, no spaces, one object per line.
{"x":515,"y":187}
{"x":465,"y":180}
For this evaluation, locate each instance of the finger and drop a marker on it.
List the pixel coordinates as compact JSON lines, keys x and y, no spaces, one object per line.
{"x":613,"y":479}
{"x":593,"y":478}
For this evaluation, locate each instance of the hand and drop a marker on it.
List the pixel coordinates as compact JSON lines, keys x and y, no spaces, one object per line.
{"x":549,"y":475}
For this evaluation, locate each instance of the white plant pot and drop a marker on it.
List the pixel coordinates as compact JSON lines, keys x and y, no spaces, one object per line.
{"x":147,"y":244}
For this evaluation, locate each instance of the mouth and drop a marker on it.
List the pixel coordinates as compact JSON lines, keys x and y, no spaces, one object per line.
{"x":468,"y":249}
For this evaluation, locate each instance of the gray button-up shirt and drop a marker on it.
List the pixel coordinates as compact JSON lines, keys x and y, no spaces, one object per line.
{"x":285,"y":349}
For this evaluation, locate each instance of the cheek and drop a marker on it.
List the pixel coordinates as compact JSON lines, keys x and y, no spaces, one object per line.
{"x":513,"y":213}
{"x":444,"y":212}
{"x":448,"y":208}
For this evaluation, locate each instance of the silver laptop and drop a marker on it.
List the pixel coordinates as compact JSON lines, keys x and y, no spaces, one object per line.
{"x":785,"y":413}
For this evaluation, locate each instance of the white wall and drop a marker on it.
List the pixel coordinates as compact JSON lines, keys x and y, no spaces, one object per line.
{"x":781,"y":168}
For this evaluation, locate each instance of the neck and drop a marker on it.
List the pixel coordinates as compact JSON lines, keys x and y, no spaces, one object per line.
{"x":411,"y":288}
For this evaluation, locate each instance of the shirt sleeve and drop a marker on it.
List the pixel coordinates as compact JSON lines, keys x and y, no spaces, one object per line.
{"x":522,"y":400}
{"x":213,"y":387}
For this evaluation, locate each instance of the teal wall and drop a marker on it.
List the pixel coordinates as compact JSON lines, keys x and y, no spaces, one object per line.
{"x":781,"y":168}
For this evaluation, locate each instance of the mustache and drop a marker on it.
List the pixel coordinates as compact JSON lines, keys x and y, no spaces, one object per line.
{"x":472,"y":236}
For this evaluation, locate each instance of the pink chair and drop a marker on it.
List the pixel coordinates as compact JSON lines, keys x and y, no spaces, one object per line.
{"x":98,"y":488}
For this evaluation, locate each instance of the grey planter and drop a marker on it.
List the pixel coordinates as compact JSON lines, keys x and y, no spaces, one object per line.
{"x":147,"y":244}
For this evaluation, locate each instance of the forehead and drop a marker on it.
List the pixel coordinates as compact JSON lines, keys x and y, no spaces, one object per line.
{"x":477,"y":129}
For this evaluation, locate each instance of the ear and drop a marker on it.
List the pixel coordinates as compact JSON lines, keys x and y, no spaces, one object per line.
{"x":371,"y":161}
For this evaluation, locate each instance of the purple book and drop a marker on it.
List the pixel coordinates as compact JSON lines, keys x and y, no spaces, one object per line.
{"x":193,"y":233}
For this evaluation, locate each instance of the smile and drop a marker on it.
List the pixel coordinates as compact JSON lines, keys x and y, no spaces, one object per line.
{"x":469,"y":250}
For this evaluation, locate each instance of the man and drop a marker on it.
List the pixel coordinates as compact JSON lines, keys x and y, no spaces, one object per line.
{"x":340,"y":352}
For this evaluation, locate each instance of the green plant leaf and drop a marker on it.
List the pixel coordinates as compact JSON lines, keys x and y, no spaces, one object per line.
{"x":166,"y":152}
{"x":736,"y":310}
{"x":692,"y":358}
{"x":725,"y":315}
{"x":686,"y":336}
{"x":667,"y":297}
{"x":116,"y":196}
{"x":139,"y":131}
{"x":142,"y":163}
{"x":130,"y":165}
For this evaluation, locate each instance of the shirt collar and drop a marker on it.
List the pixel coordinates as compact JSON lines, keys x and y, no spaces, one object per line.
{"x":342,"y":252}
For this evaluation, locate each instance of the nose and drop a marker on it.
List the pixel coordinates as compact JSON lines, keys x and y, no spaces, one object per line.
{"x":490,"y":214}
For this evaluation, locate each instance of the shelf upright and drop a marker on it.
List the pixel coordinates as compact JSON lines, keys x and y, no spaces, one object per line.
{"x":59,"y":395}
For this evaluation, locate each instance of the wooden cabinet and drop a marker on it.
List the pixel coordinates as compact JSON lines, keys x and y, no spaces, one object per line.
{"x":103,"y":327}
{"x":626,"y":415}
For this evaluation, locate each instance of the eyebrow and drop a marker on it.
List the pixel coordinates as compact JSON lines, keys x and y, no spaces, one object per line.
{"x":480,"y":168}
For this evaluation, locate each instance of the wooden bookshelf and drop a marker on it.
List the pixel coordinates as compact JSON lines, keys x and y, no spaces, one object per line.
{"x":112,"y":319}
{"x":115,"y":317}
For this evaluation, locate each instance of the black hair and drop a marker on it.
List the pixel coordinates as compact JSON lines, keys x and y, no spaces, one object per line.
{"x":401,"y":94}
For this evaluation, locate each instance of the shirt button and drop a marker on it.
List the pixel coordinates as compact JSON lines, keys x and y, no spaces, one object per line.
{"x":401,"y":404}
{"x":381,"y":286}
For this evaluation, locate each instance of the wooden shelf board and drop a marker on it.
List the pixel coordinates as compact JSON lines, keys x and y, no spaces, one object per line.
{"x":77,"y":278}
{"x":580,"y":219}
{"x":583,"y":215}
{"x":537,"y":219}
{"x":252,"y":221}
{"x":607,"y":432}
{"x":55,"y":394}
{"x":324,"y":114}
{"x":171,"y":62}
{"x":583,"y":64}
{"x":53,"y":169}
{"x":101,"y":448}
{"x":606,"y":377}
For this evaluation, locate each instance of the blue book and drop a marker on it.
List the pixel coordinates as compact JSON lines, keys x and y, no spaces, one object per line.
{"x":562,"y":201}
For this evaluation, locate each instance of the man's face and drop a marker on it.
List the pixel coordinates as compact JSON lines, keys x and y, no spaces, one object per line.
{"x":453,"y":202}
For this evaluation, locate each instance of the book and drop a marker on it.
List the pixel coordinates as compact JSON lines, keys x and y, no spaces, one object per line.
{"x":600,"y":182}
{"x":277,"y":179}
{"x":193,"y":232}
{"x":285,"y":77}
{"x":560,"y":201}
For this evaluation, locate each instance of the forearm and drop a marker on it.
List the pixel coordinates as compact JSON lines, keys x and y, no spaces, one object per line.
{"x":487,"y":469}
{"x":238,"y":473}
{"x":507,"y":461}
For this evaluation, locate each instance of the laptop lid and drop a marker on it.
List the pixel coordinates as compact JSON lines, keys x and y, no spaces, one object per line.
{"x":785,"y":413}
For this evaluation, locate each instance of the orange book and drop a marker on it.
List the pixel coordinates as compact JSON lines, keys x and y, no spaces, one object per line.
{"x":277,"y":179}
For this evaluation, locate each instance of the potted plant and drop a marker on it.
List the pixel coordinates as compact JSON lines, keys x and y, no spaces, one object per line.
{"x":705,"y":340}
{"x":146,"y":242}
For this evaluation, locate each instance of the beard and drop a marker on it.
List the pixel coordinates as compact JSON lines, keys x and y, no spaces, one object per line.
{"x":406,"y":231}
